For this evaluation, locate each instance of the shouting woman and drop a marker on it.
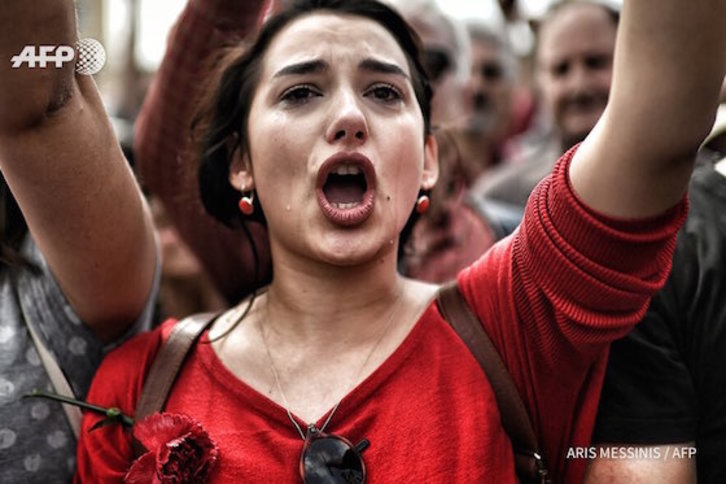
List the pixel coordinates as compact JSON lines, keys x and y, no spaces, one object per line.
{"x":323,"y":124}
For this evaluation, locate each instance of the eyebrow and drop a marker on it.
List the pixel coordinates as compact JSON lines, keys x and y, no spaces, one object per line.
{"x":382,"y":67}
{"x":308,"y":67}
{"x":317,"y":66}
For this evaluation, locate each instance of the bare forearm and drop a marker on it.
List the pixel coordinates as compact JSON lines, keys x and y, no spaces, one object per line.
{"x":671,"y":57}
{"x":75,"y":189}
{"x":669,"y":63}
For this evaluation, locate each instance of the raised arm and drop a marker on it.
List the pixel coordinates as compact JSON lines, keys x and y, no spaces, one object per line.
{"x":166,"y":160}
{"x":669,"y":64}
{"x":64,"y":166}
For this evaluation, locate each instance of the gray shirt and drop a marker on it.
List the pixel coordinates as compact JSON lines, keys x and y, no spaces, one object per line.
{"x":36,"y":441}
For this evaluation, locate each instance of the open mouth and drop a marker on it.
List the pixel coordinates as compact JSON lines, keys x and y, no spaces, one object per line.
{"x":346,"y":188}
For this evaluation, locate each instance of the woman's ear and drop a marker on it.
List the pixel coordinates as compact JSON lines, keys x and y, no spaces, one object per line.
{"x":431,"y":163}
{"x":240,"y":172}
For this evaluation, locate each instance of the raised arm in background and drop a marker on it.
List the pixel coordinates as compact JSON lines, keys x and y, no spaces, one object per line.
{"x":166,"y":159}
{"x":66,"y":170}
{"x":668,"y":70}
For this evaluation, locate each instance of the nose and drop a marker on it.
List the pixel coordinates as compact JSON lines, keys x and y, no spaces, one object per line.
{"x":579,"y":80}
{"x":348,"y":121}
{"x":472,"y":86}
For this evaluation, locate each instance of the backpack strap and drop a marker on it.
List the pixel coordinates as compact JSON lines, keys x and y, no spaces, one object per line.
{"x":528,"y":459}
{"x":166,"y":366}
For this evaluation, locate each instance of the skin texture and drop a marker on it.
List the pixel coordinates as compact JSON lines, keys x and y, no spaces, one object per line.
{"x":59,"y":155}
{"x":574,"y":68}
{"x":297,"y":122}
{"x":348,"y":108}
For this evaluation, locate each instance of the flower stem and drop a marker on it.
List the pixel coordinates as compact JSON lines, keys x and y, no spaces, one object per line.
{"x":113,"y":413}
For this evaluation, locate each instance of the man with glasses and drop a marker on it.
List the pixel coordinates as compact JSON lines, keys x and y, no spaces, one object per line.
{"x":492,"y":100}
{"x":446,"y":58}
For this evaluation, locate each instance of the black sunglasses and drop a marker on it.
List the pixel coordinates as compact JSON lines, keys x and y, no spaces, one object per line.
{"x":437,"y":62}
{"x":330,"y":459}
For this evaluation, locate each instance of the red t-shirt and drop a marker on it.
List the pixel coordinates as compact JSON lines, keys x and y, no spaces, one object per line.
{"x":551,"y":297}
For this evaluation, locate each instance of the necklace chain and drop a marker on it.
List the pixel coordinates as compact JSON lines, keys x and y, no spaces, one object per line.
{"x":355,"y":380}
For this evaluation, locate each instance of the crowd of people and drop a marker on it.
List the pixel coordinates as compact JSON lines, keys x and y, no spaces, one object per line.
{"x":308,"y":174}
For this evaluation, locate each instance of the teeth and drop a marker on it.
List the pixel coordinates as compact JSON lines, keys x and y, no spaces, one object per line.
{"x":345,"y":206}
{"x":347,"y":170}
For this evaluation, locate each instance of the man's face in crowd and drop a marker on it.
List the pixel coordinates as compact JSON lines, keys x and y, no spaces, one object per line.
{"x":574,"y":67}
{"x":441,"y":60}
{"x":490,"y":87}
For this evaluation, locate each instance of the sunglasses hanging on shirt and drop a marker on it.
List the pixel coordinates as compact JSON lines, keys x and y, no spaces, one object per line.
{"x":330,"y":459}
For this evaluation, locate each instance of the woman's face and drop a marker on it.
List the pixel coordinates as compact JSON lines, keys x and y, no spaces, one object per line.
{"x":336,"y":141}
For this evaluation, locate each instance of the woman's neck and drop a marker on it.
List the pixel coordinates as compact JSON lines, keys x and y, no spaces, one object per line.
{"x":312,"y":301}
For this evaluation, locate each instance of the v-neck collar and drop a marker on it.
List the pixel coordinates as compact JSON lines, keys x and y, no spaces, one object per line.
{"x":276,"y":414}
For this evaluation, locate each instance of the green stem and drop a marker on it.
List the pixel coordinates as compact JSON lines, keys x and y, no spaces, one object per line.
{"x":114,"y":413}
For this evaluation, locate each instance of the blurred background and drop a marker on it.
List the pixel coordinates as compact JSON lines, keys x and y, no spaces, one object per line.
{"x":134,"y":34}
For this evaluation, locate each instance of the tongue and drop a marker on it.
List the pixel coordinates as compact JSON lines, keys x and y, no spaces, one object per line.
{"x":344,"y":189}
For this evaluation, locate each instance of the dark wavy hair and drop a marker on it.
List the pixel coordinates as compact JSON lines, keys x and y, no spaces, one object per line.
{"x":224,"y":120}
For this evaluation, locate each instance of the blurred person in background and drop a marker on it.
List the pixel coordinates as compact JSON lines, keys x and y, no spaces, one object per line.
{"x":573,"y":59}
{"x":491,"y":99}
{"x":185,"y":287}
{"x":446,"y":57}
{"x":78,"y":263}
{"x":450,"y":236}
{"x":166,"y":162}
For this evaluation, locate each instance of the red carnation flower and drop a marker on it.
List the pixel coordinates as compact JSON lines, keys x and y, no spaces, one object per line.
{"x":179,"y":451}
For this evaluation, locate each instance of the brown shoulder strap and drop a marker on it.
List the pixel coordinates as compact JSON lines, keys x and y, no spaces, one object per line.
{"x":166,"y":366}
{"x":515,"y":419}
{"x":167,"y":363}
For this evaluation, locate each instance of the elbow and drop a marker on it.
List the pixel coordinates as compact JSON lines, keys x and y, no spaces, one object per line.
{"x":123,"y":309}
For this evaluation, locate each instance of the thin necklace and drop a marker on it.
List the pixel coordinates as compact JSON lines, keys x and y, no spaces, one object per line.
{"x":357,"y":376}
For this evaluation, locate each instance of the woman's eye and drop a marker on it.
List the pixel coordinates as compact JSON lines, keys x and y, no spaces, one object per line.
{"x":299,"y":94}
{"x":385,"y":92}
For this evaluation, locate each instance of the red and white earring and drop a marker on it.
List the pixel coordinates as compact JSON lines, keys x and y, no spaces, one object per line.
{"x":246,"y":204}
{"x":422,"y":204}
